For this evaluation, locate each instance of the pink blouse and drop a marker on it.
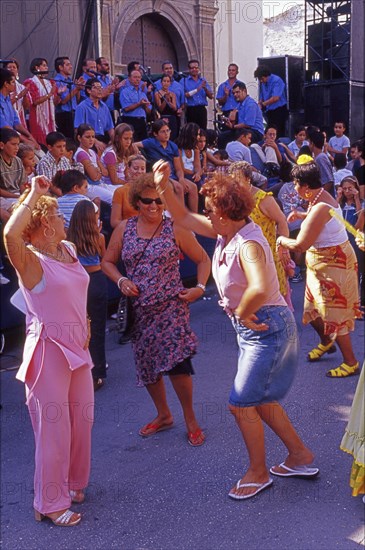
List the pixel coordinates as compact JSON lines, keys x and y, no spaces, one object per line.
{"x":56,"y":312}
{"x":229,"y":275}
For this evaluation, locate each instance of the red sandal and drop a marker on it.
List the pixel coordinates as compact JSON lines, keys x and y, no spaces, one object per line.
{"x":197,"y":438}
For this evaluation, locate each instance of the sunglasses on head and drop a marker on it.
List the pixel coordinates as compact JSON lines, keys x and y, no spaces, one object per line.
{"x":150,"y":201}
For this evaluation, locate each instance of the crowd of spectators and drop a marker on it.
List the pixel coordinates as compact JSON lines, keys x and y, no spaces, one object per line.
{"x":95,"y":141}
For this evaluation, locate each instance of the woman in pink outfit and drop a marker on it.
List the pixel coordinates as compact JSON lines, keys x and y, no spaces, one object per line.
{"x":56,"y":367}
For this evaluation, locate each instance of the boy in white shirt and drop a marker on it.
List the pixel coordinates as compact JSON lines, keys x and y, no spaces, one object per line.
{"x":339,"y":143}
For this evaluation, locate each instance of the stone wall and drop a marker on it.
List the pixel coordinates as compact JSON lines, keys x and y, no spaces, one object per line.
{"x":283,"y":28}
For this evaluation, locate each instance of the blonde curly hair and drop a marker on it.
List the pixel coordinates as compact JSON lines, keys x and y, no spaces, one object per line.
{"x":241,"y":170}
{"x":42,"y":209}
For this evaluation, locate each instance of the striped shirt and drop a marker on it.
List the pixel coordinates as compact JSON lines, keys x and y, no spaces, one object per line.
{"x":67,"y":203}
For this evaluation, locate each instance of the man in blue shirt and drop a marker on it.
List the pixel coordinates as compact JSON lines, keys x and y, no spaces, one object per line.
{"x":272,"y":98}
{"x":93,"y":111}
{"x":89,"y":71}
{"x":69,"y":94}
{"x":8,"y":115}
{"x":247,"y":115}
{"x":108,"y":83}
{"x":225,"y":95}
{"x":135,"y":105}
{"x":196,"y":92}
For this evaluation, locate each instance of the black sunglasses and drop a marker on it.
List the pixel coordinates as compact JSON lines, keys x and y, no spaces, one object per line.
{"x":150,"y":201}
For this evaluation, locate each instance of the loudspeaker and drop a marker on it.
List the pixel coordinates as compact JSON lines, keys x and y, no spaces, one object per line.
{"x":326,"y":103}
{"x":291,"y":69}
{"x":335,"y":40}
{"x":329,"y":50}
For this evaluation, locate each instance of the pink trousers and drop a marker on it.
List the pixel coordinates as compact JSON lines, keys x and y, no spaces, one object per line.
{"x":61,"y":408}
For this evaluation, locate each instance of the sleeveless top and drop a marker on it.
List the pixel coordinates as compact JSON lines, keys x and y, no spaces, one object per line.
{"x":187,"y":162}
{"x":93,"y":259}
{"x":153,"y":269}
{"x":229,"y":275}
{"x":90,"y":155}
{"x":109,"y":157}
{"x":56,"y":312}
{"x":268,"y":227}
{"x":332,"y":234}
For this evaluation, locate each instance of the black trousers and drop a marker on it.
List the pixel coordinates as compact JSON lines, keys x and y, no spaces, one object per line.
{"x":278,"y":118}
{"x":197,"y":114}
{"x":97,"y":302}
{"x":65,"y":123}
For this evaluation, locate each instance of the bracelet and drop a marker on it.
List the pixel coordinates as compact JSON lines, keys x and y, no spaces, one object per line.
{"x":120,"y":280}
{"x":26,"y":206}
{"x":201,"y":286}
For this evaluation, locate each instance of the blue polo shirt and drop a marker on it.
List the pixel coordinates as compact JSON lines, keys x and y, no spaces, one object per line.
{"x":105,"y":81}
{"x":200,"y":98}
{"x":154,"y":152}
{"x":231,"y":103}
{"x":275,"y":86}
{"x":249,"y":113}
{"x":60,"y":83}
{"x":128,"y":96}
{"x":177,"y":89}
{"x":8,"y":115}
{"x":86,"y":77}
{"x":100,"y":119}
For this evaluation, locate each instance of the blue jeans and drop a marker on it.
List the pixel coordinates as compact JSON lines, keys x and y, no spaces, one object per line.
{"x":267,"y":360}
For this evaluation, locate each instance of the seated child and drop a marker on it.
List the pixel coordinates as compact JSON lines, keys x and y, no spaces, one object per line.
{"x":27,"y":156}
{"x":71,"y":148}
{"x":298,"y":142}
{"x":340,"y":171}
{"x":12,"y":173}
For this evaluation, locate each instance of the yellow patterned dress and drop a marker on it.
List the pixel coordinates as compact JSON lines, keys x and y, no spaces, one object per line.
{"x":353,"y":441}
{"x":268,"y":227}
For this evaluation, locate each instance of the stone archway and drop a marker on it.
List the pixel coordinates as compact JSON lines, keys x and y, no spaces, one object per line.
{"x":148,"y":42}
{"x":164,"y":25}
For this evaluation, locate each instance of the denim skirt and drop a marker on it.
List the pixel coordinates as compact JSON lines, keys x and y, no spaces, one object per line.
{"x":267,"y":360}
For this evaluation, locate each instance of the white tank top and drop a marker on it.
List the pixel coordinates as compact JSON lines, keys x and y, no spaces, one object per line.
{"x":333,"y":233}
{"x":188,"y":162}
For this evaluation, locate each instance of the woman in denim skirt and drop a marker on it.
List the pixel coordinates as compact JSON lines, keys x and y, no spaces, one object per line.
{"x":244,"y":271}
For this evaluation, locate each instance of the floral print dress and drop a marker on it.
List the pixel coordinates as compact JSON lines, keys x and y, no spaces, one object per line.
{"x":161,"y":336}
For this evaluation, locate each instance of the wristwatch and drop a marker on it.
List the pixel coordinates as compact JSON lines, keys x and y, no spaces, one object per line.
{"x":201,"y":286}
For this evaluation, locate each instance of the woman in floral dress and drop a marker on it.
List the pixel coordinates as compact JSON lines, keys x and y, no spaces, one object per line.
{"x":163,"y":342}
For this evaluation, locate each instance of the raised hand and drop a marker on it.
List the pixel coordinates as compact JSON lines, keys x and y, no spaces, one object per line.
{"x":161,"y":172}
{"x":40,"y":185}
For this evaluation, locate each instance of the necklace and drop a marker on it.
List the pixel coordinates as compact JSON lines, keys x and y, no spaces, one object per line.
{"x":59,"y":256}
{"x":315,"y":200}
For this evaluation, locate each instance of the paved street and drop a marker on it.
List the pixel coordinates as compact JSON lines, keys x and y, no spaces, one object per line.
{"x":161,"y":494}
